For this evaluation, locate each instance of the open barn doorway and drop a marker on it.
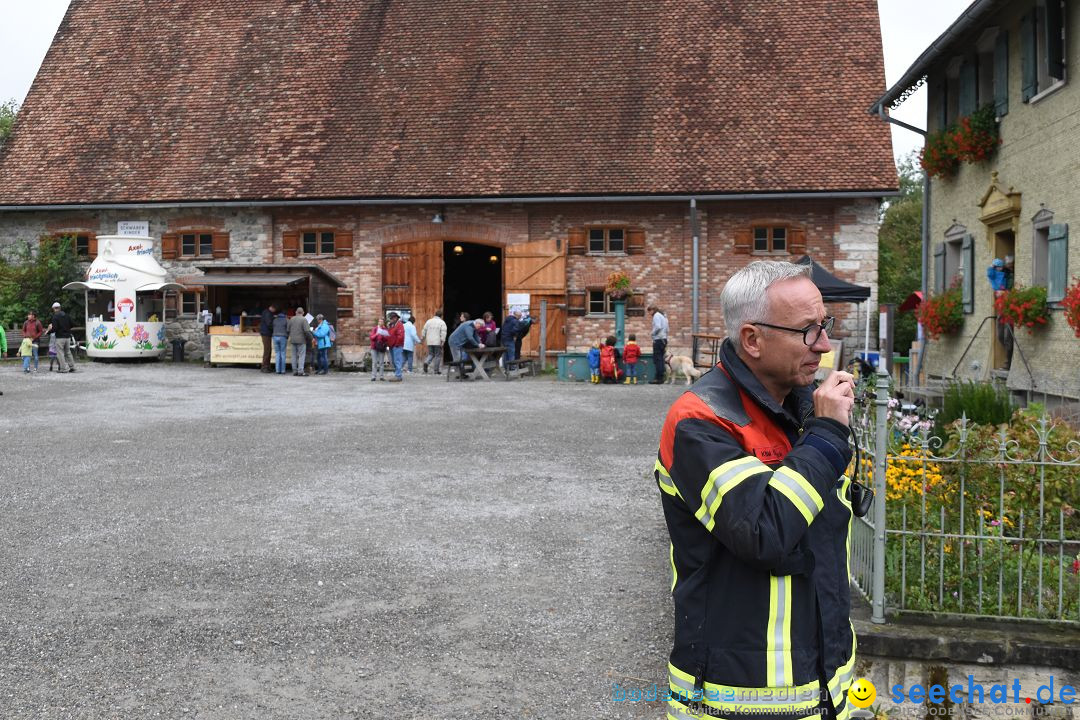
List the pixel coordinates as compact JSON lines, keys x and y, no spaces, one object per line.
{"x":472,"y":281}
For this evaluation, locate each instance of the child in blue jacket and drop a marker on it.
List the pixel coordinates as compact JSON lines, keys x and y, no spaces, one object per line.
{"x":594,"y":362}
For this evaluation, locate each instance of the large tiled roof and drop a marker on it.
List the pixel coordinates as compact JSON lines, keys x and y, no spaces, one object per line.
{"x":190,"y":100}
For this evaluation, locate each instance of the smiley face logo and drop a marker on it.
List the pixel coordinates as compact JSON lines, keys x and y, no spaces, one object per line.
{"x":862,"y":693}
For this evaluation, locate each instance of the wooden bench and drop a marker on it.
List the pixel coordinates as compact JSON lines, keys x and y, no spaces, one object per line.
{"x":463,"y":368}
{"x":521,"y":366}
{"x":14,"y":339}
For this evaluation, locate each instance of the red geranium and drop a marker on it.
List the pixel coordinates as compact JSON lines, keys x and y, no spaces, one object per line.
{"x":942,"y":314}
{"x":1022,"y":307}
{"x":1071,"y":304}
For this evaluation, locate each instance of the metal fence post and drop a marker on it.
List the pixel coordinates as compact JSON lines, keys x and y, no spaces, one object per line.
{"x":881,"y":435}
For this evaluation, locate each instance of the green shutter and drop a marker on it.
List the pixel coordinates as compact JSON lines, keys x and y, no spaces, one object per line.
{"x":942,"y":94}
{"x":968,"y":84}
{"x":1001,"y":75}
{"x":967,"y":272}
{"x":1055,"y":48}
{"x":939,"y":268}
{"x":1028,"y":63}
{"x":1057,"y":262}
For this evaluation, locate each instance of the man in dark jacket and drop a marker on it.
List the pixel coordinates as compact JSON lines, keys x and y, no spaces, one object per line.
{"x":508,"y":336}
{"x":266,"y":332}
{"x":61,"y":326}
{"x":751,"y":473}
{"x":465,"y":337}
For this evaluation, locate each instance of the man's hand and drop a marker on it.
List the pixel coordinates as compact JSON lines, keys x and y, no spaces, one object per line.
{"x":835,"y":397}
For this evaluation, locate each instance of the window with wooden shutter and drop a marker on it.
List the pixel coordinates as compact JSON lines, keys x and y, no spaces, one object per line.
{"x":770,"y":239}
{"x":91,"y":246}
{"x":343,"y":244}
{"x":939,"y":268}
{"x":169,"y":242}
{"x":635,"y":242}
{"x":1057,"y":263}
{"x":967,"y":272}
{"x":575,"y":241}
{"x":344,"y":303}
{"x":575,"y":302}
{"x":199,"y":244}
{"x":318,"y":241}
{"x":220,"y":245}
{"x":1001,"y":74}
{"x":290,"y":244}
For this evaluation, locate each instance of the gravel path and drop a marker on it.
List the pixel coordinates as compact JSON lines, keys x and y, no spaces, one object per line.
{"x":181,"y":542}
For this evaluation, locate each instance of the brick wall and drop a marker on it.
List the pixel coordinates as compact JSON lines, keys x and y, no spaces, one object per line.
{"x":842,"y":236}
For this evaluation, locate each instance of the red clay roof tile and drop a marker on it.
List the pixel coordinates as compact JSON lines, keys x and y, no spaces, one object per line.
{"x":297,"y":99}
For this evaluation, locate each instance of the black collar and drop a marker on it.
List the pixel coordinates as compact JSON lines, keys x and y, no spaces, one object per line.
{"x":798,"y":405}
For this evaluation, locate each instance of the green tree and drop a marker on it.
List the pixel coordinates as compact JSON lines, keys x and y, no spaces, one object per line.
{"x":32,"y":279}
{"x":8,"y":110}
{"x":900,"y":249}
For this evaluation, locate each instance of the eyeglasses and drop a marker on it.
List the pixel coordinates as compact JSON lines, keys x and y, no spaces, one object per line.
{"x":810,"y":333}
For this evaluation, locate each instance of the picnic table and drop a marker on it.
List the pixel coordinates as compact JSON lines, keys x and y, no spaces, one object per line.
{"x":485,"y":358}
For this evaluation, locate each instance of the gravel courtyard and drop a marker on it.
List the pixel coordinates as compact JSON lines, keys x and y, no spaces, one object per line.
{"x":182,"y":542}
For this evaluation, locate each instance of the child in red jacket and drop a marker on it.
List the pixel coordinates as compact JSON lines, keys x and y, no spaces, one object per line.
{"x":631,"y":353}
{"x":609,"y":361}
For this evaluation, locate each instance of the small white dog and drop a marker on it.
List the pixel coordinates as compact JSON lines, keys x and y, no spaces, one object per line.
{"x":681,"y":364}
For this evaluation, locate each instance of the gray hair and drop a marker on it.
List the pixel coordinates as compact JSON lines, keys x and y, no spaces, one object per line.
{"x":319,"y":316}
{"x":744,"y":298}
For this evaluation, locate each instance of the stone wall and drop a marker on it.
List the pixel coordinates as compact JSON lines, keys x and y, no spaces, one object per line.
{"x":841,"y":235}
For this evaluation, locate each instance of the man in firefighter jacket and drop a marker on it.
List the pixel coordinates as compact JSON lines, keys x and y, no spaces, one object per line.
{"x":751,"y":472}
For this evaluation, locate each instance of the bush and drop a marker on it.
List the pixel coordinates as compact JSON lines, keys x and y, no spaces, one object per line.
{"x":32,"y":281}
{"x":984,"y":403}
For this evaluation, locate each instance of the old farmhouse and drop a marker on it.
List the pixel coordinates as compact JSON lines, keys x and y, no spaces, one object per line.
{"x":416,"y":155}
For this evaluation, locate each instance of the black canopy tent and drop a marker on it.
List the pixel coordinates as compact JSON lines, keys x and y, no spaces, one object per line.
{"x":833,"y":289}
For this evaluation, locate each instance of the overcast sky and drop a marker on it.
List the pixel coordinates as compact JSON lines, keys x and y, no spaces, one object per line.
{"x":908,"y":27}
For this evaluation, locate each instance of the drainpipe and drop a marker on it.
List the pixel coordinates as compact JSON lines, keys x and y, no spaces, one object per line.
{"x":925,"y":233}
{"x":695,"y":283}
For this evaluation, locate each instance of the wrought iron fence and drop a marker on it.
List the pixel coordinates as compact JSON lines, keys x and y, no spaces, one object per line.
{"x":976,"y":520}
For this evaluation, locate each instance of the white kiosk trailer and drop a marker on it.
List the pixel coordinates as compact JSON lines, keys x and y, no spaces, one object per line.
{"x":125,"y":299}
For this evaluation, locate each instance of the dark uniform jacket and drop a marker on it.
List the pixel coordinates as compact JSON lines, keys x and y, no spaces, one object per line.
{"x":759,"y":516}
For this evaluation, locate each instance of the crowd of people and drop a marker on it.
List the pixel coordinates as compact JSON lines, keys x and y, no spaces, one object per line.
{"x":283,"y":334}
{"x":396,"y":340}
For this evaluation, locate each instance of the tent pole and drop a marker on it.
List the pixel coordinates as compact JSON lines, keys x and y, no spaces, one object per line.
{"x":866,"y":338}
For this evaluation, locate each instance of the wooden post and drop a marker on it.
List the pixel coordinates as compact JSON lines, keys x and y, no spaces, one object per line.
{"x":543,"y":334}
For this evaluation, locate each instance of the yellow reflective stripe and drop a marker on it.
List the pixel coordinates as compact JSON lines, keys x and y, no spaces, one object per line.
{"x":663,"y":479}
{"x":844,"y":675}
{"x":845,"y":483}
{"x":721,"y":481}
{"x":778,"y":635}
{"x":734,"y":699}
{"x":674,"y":572}
{"x":800,"y":492}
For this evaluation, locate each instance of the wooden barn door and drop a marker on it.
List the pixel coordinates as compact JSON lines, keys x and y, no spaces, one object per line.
{"x":413,"y":278}
{"x":539,"y":269}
